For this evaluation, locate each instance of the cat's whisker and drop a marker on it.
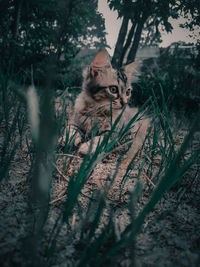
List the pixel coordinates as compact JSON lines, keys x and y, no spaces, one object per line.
{"x":99,"y":109}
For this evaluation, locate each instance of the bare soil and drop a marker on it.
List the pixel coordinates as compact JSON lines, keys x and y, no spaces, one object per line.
{"x":170,"y":234}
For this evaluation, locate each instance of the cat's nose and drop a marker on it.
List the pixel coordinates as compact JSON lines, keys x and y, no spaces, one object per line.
{"x":123,"y":101}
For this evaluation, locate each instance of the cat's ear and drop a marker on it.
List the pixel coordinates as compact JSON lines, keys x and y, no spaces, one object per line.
{"x":132,"y":70}
{"x":100,"y":63}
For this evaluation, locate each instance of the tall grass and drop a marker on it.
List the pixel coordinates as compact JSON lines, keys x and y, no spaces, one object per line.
{"x":99,"y":239}
{"x":12,"y":123}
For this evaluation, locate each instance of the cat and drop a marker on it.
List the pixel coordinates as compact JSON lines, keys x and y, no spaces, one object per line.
{"x":105,"y":93}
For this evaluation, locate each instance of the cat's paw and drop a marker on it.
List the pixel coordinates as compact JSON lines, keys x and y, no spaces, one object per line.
{"x":77,"y":140}
{"x":85,"y":147}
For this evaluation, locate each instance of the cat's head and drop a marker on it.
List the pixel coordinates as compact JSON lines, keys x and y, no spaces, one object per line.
{"x":105,"y":84}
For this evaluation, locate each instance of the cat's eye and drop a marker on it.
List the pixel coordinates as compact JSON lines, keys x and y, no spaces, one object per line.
{"x":128,"y":92}
{"x":113,"y":89}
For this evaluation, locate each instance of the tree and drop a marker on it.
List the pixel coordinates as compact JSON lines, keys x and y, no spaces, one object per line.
{"x":140,"y":14}
{"x":191,"y":12}
{"x":32,"y":30}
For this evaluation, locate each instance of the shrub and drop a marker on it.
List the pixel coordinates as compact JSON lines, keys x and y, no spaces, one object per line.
{"x":177,"y":73}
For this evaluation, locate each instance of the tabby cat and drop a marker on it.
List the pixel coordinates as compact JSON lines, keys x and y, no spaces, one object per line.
{"x":105,"y":92}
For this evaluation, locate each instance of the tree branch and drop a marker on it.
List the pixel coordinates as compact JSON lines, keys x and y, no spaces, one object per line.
{"x":127,"y":44}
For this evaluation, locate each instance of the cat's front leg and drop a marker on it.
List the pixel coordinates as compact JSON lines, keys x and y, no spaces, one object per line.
{"x":85,"y":147}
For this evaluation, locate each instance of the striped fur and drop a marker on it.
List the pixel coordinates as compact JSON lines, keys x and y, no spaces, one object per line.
{"x":105,"y":91}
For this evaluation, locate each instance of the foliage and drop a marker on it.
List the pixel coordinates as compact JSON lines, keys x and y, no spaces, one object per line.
{"x":176,"y":71}
{"x":148,"y":15}
{"x":94,"y":237}
{"x":29,"y":126}
{"x":32,"y":30}
{"x":147,"y":19}
{"x":71,"y":75}
{"x":191,"y":12}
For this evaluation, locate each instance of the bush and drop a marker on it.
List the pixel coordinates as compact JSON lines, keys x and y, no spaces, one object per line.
{"x":177,"y":74}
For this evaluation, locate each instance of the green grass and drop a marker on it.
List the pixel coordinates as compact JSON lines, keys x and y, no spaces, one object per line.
{"x":98,"y":243}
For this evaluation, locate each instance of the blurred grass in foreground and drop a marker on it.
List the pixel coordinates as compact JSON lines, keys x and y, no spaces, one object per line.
{"x":98,"y":242}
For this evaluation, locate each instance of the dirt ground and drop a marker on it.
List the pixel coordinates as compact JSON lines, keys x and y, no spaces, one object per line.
{"x":170,"y":234}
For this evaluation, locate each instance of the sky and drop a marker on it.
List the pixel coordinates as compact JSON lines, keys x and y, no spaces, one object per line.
{"x":113,"y":24}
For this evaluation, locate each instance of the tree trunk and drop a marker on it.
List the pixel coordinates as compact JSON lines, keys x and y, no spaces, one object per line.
{"x":16,"y":19}
{"x":120,"y":42}
{"x":15,"y":30}
{"x":63,"y":29}
{"x":136,"y":41}
{"x":127,"y":44}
